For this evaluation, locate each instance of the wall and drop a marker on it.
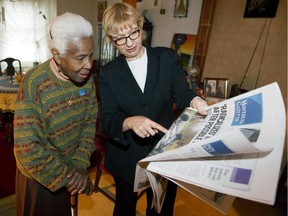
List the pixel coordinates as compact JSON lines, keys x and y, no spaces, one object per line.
{"x":85,"y":8}
{"x":164,"y":25}
{"x":233,"y":40}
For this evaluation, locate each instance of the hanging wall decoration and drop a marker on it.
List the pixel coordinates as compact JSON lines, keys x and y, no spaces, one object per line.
{"x":181,"y":8}
{"x":261,"y":8}
{"x":102,"y":5}
{"x":184,"y":45}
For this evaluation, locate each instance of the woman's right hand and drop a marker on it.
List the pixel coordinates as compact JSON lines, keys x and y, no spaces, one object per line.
{"x":142,"y":126}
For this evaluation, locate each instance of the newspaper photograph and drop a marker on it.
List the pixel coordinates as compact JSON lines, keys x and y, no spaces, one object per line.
{"x":235,"y":149}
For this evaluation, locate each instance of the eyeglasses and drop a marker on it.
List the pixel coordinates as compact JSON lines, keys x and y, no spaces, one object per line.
{"x":123,"y":40}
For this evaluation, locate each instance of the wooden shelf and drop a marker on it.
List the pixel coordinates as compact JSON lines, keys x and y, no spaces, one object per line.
{"x":205,"y":25}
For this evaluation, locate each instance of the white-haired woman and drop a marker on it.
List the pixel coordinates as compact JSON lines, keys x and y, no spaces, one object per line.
{"x":55,"y":116}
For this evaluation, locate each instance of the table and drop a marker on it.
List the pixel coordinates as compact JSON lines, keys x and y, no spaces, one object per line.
{"x":8,"y":93}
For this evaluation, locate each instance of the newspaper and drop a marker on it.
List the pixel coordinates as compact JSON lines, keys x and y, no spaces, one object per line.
{"x":234,"y":151}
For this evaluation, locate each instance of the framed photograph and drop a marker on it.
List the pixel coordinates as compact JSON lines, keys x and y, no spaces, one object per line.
{"x":260,"y":8}
{"x":215,"y":89}
{"x":181,"y":8}
{"x":102,"y":5}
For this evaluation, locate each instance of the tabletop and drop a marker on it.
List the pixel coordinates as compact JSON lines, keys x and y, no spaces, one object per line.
{"x":8,"y":92}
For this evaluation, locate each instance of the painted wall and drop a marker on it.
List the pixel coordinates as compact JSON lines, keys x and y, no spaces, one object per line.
{"x":233,"y":40}
{"x":164,"y":25}
{"x":85,"y":8}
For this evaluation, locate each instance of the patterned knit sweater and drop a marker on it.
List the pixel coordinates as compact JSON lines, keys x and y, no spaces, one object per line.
{"x":49,"y":134}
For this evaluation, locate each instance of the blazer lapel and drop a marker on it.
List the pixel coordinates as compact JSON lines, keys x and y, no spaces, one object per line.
{"x":152,"y":73}
{"x":127,"y":77}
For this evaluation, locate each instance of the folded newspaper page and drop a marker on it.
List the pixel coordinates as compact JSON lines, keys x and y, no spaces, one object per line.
{"x":234,"y":151}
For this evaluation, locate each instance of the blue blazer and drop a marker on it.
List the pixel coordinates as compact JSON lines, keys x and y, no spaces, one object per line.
{"x":121,"y":97}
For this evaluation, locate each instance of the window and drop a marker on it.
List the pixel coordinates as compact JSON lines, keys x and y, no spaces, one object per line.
{"x":22,"y":29}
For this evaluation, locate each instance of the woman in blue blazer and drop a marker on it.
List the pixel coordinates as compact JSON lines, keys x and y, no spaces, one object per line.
{"x":138,"y":89}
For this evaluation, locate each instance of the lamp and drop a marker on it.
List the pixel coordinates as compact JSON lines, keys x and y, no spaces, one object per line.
{"x":2,"y":18}
{"x":193,"y":71}
{"x":163,"y":6}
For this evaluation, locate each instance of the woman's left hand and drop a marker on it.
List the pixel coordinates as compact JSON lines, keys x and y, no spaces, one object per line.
{"x":199,"y":104}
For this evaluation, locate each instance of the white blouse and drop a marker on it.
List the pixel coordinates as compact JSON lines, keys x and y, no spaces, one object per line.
{"x":139,"y":69}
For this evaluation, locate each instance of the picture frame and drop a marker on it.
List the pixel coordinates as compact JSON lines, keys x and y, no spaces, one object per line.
{"x":215,"y":89}
{"x":184,"y":44}
{"x":261,"y":9}
{"x":181,"y":8}
{"x":102,"y":5}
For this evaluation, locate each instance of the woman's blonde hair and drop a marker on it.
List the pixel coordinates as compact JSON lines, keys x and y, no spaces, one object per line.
{"x":120,"y":16}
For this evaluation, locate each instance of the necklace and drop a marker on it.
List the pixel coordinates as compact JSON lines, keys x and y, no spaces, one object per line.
{"x":61,"y":76}
{"x":70,"y":101}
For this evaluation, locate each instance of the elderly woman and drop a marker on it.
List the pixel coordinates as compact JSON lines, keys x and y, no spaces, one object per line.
{"x":55,"y":116}
{"x":138,"y":89}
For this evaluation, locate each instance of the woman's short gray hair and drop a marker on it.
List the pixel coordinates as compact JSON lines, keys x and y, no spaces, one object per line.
{"x":66,"y":28}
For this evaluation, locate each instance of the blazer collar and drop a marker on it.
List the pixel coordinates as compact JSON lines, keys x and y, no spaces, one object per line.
{"x":152,"y":74}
